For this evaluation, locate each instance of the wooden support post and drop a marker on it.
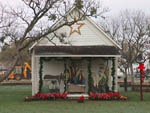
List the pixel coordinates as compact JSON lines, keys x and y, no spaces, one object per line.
{"x":141,"y":90}
{"x":116,"y":74}
{"x":141,"y":67}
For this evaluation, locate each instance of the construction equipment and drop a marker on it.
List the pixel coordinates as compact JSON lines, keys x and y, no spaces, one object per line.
{"x":21,"y":72}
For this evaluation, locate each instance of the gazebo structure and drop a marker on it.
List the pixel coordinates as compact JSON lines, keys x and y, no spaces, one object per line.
{"x":88,"y":62}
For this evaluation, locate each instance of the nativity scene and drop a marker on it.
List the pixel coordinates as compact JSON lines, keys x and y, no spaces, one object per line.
{"x":86,"y":63}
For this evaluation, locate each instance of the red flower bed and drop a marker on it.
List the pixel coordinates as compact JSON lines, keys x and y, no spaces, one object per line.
{"x":92,"y":96}
{"x":106,"y":96}
{"x":49,"y":96}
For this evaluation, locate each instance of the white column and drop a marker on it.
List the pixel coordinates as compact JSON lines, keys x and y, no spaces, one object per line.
{"x":116,"y":74}
{"x":110,"y":77}
{"x":35,"y":74}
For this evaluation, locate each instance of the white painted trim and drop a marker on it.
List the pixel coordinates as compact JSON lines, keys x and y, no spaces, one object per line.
{"x":33,"y":46}
{"x":77,"y":55}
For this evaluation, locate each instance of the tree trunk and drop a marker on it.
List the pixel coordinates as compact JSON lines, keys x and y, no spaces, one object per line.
{"x":10,"y":69}
{"x":132,"y":77}
{"x":125,"y":81}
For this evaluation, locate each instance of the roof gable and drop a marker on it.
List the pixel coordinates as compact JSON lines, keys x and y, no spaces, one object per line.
{"x":87,"y":33}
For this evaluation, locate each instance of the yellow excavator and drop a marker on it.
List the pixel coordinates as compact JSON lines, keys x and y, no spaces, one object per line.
{"x":21,"y":72}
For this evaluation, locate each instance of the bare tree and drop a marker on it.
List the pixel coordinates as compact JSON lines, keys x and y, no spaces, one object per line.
{"x":35,"y":19}
{"x":131,"y":30}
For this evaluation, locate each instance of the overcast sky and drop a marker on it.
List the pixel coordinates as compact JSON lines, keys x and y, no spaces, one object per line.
{"x":115,"y":6}
{"x":118,"y":5}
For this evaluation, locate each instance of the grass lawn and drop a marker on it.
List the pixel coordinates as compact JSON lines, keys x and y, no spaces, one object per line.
{"x":12,"y":101}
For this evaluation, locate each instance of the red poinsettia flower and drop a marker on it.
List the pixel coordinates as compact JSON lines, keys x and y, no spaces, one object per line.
{"x":82,"y":98}
{"x":92,"y":95}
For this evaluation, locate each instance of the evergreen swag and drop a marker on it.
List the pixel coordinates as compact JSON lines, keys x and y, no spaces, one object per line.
{"x":40,"y":75}
{"x":113,"y":74}
{"x":89,"y":76}
{"x":65,"y":80}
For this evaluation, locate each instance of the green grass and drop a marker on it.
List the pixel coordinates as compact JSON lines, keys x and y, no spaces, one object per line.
{"x":12,"y":101}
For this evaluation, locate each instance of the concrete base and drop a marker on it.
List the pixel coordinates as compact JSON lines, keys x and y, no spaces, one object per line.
{"x":77,"y":96}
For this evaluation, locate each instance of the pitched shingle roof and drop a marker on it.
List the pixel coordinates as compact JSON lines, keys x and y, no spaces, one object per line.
{"x":76,"y":50}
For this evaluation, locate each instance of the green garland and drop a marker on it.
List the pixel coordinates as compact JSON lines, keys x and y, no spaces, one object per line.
{"x":61,"y":59}
{"x":89,"y":76}
{"x":65,"y":79}
{"x":113,"y":74}
{"x":47,"y":59}
{"x":40,"y":75}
